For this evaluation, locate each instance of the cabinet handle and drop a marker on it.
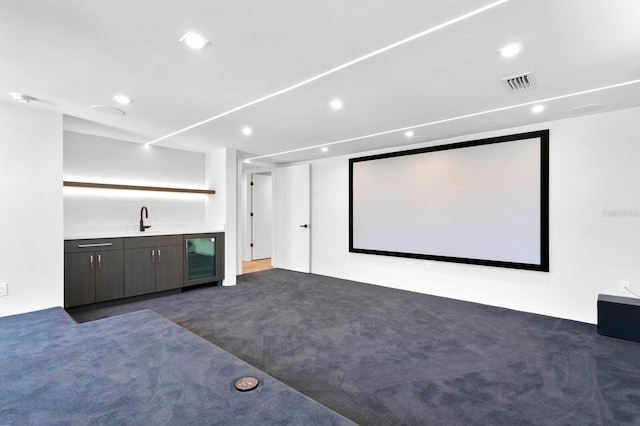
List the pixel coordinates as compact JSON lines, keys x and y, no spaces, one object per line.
{"x":99,"y":261}
{"x":91,"y":263}
{"x":186,"y":251}
{"x":159,"y":254}
{"x":95,"y":245}
{"x":153,"y":256}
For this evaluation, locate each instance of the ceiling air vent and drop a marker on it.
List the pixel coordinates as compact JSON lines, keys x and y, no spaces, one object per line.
{"x":520,"y":82}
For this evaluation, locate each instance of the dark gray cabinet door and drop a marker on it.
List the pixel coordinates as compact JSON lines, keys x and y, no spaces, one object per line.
{"x":109,"y":267}
{"x":139,"y":271}
{"x":79,"y":279}
{"x":168,"y":267}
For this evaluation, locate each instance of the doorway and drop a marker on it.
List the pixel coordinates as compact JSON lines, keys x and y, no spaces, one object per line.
{"x":289,"y":230}
{"x":260,"y":222}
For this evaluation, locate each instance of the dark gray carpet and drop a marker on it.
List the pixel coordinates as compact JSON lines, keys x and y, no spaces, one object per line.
{"x":387,"y":357}
{"x":133,"y":369}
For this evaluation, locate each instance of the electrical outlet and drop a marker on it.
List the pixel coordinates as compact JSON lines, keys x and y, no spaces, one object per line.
{"x":4,"y":289}
{"x":330,"y":252}
{"x":427,"y":265}
{"x":625,"y":285}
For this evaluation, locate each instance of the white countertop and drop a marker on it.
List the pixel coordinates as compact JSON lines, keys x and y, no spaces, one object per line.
{"x":111,"y":232}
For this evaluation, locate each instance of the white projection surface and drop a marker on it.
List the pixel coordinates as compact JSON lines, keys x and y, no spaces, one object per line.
{"x":478,"y":202}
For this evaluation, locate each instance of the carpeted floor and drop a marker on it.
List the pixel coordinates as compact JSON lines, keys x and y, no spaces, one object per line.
{"x":388,"y":357}
{"x":134,"y":369}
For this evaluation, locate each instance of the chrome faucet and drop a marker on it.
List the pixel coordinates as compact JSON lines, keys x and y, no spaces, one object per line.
{"x":146,"y":214}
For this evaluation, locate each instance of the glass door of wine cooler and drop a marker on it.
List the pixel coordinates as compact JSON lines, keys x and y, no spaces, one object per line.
{"x":204,"y":259}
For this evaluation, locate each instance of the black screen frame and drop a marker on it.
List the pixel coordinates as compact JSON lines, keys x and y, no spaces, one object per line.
{"x":542,"y":266}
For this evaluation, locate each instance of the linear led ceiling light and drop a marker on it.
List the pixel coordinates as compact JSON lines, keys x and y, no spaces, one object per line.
{"x":459,"y":117}
{"x":338,"y":68}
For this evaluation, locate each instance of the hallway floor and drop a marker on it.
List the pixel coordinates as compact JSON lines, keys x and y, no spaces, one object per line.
{"x":256,"y":265}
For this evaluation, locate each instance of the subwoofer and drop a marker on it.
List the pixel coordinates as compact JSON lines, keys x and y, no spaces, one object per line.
{"x":619,"y":317}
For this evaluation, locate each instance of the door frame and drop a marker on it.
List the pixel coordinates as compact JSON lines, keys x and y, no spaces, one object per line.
{"x":244,"y":210}
{"x":252,"y":217}
{"x":244,"y":220}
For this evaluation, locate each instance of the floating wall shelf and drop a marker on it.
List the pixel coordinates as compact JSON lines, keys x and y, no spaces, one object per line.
{"x":137,"y":187}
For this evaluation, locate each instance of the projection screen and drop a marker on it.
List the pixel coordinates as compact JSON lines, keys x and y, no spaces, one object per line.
{"x":482,"y":202}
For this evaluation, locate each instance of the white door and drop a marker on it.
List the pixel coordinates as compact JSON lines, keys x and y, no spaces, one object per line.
{"x":260,"y":216}
{"x":293,"y":214}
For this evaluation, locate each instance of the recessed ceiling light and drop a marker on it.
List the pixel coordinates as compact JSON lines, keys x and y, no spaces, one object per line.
{"x":324,"y":149}
{"x":122,"y":99}
{"x":340,"y":67}
{"x":510,"y":50}
{"x":336,"y":104}
{"x":19,"y":97}
{"x":586,"y":109}
{"x":107,"y":110}
{"x":193,"y":40}
{"x":409,"y":133}
{"x":247,"y":131}
{"x":460,"y":117}
{"x":537,"y":109}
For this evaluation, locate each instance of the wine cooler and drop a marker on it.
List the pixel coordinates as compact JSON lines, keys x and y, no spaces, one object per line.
{"x":204,"y":258}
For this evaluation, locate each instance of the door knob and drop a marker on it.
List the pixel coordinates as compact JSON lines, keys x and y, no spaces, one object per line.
{"x":304,"y":226}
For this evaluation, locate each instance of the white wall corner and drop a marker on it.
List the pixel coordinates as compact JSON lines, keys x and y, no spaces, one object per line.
{"x":216,"y":179}
{"x":232,"y":257}
{"x":31,"y":154}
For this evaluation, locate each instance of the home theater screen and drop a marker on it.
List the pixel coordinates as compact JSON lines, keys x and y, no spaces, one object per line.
{"x":482,"y":202}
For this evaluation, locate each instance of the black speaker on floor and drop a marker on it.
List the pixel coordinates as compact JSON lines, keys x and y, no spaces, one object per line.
{"x":619,"y":317}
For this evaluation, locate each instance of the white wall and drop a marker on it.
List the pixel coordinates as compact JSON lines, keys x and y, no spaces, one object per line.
{"x":593,"y":171}
{"x":232,"y":255}
{"x":31,"y":224}
{"x":221,"y":170}
{"x":98,"y":159}
{"x":216,"y":178}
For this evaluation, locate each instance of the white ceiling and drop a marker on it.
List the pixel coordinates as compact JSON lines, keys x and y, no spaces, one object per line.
{"x":71,"y":54}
